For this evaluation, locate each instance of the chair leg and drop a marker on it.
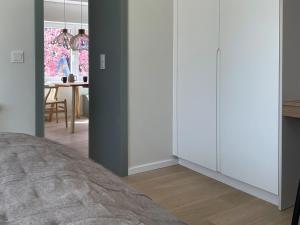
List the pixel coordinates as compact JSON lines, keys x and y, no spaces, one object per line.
{"x":66,"y":113}
{"x":51,"y":113}
{"x":296,"y":214}
{"x":56,"y":107}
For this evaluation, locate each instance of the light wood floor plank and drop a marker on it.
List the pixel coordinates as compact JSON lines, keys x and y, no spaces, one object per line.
{"x":199,"y":200}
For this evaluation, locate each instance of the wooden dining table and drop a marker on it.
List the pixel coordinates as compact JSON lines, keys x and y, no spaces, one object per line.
{"x":75,"y":98}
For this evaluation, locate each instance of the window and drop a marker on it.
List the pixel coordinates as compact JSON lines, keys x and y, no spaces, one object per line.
{"x":60,"y":61}
{"x":81,"y":62}
{"x":57,"y":59}
{"x":84,"y":61}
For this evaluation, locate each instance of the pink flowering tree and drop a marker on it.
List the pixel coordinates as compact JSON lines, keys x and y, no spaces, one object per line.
{"x":53,"y":53}
{"x":84,"y":62}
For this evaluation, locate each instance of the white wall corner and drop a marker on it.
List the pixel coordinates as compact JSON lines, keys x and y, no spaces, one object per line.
{"x":249,"y":189}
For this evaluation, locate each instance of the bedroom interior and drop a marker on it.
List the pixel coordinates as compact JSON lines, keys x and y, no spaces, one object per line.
{"x":193,"y":113}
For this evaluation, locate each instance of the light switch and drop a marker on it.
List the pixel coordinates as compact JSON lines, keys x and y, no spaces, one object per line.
{"x":102,"y":61}
{"x":17,"y":56}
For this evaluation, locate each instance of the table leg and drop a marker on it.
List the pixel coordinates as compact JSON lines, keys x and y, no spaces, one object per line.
{"x":77,"y":103}
{"x":73,"y":109}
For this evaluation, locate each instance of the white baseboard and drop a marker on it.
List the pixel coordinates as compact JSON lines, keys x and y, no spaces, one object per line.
{"x":256,"y":192}
{"x":249,"y":189}
{"x":152,"y":166}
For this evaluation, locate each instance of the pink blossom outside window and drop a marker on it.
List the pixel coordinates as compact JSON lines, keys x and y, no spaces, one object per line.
{"x":84,"y":61}
{"x":57,"y":58}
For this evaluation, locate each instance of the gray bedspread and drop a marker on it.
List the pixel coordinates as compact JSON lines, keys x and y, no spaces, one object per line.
{"x":45,"y":183}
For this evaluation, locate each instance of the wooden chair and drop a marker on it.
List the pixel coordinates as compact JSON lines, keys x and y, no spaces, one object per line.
{"x":53,"y":105}
{"x":296,"y":214}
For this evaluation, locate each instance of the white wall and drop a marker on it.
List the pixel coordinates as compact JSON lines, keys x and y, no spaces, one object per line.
{"x":17,"y":86}
{"x":150,"y":81}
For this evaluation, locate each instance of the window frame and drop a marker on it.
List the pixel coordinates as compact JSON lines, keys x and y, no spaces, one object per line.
{"x":73,"y":28}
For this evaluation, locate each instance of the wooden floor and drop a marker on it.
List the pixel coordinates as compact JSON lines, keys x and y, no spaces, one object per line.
{"x":199,"y":200}
{"x":195,"y":199}
{"x":78,"y":141}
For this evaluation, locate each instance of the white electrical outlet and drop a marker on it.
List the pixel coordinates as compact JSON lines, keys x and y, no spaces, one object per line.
{"x":17,"y":56}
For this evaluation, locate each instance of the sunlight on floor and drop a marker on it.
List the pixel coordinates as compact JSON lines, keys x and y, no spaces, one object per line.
{"x":82,"y":122}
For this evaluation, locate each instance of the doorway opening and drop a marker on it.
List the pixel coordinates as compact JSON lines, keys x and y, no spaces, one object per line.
{"x":108,"y":90}
{"x":66,"y":74}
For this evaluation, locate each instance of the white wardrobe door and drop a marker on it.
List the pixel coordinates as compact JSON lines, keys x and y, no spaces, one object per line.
{"x":249,"y":91}
{"x":198,"y":35}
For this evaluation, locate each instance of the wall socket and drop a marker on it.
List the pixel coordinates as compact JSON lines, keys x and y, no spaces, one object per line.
{"x":17,"y":56}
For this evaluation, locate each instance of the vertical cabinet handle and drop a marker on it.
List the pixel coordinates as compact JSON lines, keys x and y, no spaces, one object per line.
{"x":218,"y":54}
{"x":218,"y":162}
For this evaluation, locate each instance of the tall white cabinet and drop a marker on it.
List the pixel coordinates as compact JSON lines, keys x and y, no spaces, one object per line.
{"x":228,"y":63}
{"x":249,"y":91}
{"x":196,"y":96}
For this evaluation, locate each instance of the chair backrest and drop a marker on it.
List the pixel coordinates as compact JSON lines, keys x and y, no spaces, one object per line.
{"x":50,"y":94}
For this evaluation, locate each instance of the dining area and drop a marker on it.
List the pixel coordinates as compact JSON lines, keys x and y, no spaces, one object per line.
{"x":66,"y":114}
{"x":55,"y":105}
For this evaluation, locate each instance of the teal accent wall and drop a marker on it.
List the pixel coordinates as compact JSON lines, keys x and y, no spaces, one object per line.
{"x":108,"y":88}
{"x":39,"y":67}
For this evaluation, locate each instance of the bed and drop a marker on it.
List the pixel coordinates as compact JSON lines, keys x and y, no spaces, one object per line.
{"x":45,"y":183}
